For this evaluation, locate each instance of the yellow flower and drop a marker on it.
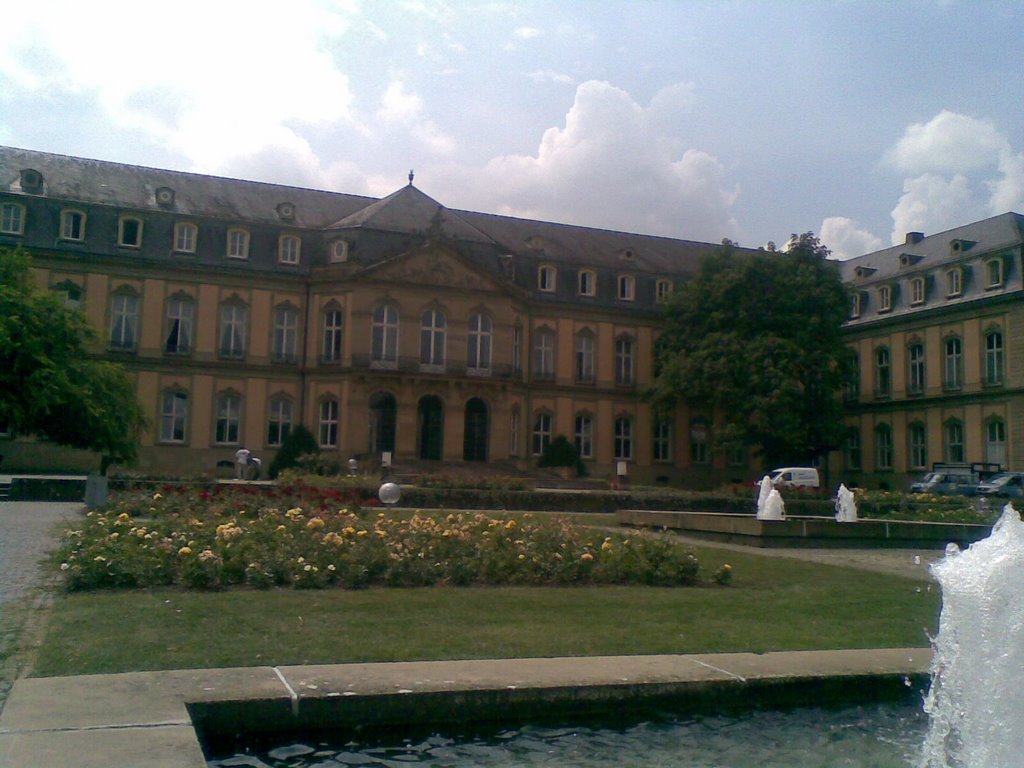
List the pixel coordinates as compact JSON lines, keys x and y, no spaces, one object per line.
{"x":157,"y":496}
{"x":185,"y":551}
{"x":587,"y":556}
{"x":315,"y":523}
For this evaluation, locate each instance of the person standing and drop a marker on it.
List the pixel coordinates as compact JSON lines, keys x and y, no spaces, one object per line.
{"x":242,"y":456}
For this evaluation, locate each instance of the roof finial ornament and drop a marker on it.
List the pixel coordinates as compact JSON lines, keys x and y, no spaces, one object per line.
{"x":411,"y":177}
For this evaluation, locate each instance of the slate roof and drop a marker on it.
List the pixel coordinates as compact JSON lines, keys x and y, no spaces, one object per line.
{"x":408,"y":210}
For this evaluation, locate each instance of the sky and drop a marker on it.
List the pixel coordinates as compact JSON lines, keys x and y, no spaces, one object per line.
{"x":859,"y":121}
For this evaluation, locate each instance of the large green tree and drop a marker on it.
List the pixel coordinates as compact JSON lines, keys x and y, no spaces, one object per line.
{"x":755,"y":339}
{"x":49,"y":385}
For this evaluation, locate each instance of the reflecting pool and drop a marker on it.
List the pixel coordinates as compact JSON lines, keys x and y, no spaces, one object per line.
{"x":867,"y":736}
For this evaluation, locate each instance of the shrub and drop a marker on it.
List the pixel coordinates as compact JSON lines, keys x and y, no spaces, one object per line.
{"x":561,"y":453}
{"x":300,"y":442}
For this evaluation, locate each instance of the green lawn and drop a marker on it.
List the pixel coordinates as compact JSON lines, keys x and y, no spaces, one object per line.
{"x":773,"y":604}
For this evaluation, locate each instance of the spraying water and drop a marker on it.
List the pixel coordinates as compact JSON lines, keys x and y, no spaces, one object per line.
{"x":846,"y":505}
{"x":769,"y":502}
{"x":977,"y":686}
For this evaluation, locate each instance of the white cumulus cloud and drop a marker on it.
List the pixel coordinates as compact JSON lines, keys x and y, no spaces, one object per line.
{"x":614,"y":164}
{"x":846,"y":238}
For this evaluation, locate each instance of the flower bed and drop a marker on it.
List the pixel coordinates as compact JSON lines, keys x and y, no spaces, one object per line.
{"x":302,"y":537}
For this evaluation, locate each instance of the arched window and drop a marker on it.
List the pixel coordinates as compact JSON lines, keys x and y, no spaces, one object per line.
{"x":279,"y":419}
{"x":917,"y":291}
{"x":546,"y":276}
{"x":332,"y":338}
{"x":288,"y":249}
{"x":626,"y":287}
{"x":284,"y":346}
{"x":478,"y":344}
{"x":954,"y":282}
{"x":662,"y":289}
{"x":129,"y":232}
{"x":587,"y":283}
{"x":384,"y":341}
{"x":328,"y":423}
{"x":72,"y":225}
{"x":585,"y":357}
{"x":229,"y":412}
{"x":180,"y":314}
{"x":624,"y":361}
{"x":234,"y":324}
{"x":173,"y":416}
{"x":432,"y":338}
{"x":994,"y":363}
{"x":124,"y":320}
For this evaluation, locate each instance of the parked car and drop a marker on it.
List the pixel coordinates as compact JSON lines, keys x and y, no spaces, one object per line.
{"x":954,"y":479}
{"x":794,"y":477}
{"x":1008,"y":484}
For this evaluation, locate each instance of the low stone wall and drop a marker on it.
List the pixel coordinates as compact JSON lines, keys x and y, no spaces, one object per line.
{"x":807,"y":531}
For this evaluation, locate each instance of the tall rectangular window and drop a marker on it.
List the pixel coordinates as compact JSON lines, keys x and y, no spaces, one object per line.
{"x":663,"y":440}
{"x":623,"y":438}
{"x":624,"y":361}
{"x":953,"y":363}
{"x":513,"y":432}
{"x":517,"y":349}
{"x":328,"y":423}
{"x":129,"y":232}
{"x":585,"y":436}
{"x":384,"y":336}
{"x":541,"y":433}
{"x":233,"y":321}
{"x":288,"y":249}
{"x":916,"y":363}
{"x":478,"y":346}
{"x":333,"y":335}
{"x":627,"y":287}
{"x":238,"y":244}
{"x":994,"y":358}
{"x":883,"y":373}
{"x":544,"y":355}
{"x":286,"y":334}
{"x":918,"y":447}
{"x":883,"y":447}
{"x":954,"y":442}
{"x":229,"y":411}
{"x":432,"y":338}
{"x":585,"y":358}
{"x":852,"y":449}
{"x":699,"y":439}
{"x":279,"y":420}
{"x":173,"y":417}
{"x":588,"y":282}
{"x":124,"y":319}
{"x":179,"y":325}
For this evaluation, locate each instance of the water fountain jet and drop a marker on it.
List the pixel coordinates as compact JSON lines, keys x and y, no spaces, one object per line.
{"x":846,"y":505}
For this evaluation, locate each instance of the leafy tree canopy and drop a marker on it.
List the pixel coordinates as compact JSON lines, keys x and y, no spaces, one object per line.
{"x":297,"y":443}
{"x":756,"y":339}
{"x":49,"y":386}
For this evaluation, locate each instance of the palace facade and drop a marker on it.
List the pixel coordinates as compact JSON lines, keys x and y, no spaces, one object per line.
{"x":400,"y":326}
{"x":937,"y":331}
{"x":384,"y":325}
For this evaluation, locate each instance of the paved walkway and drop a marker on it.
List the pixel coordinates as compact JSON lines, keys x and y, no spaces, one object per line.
{"x":28,"y":531}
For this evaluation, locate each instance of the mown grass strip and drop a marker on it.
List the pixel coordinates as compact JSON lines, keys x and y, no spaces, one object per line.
{"x":773,"y":604}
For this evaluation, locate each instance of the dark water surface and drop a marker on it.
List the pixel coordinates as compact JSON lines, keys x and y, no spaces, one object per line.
{"x":869,"y":736}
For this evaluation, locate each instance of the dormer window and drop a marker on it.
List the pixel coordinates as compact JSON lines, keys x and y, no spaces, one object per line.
{"x":954,"y":282}
{"x":994,"y":273}
{"x":164,"y":197}
{"x":286,"y":211}
{"x":31,"y":181}
{"x":72,"y":225}
{"x":628,"y":254}
{"x":339,"y":251}
{"x":909,"y":259}
{"x":864,"y":271}
{"x":185,"y":234}
{"x":917,"y":291}
{"x":587,"y":282}
{"x":288,"y":249}
{"x":129,"y":232}
{"x":546,"y":278}
{"x":662,"y":289}
{"x":627,"y":287}
{"x":960,"y":246}
{"x":884,"y":298}
{"x":238,"y":244}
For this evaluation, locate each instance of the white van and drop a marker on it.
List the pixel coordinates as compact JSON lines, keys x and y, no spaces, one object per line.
{"x":794,"y":477}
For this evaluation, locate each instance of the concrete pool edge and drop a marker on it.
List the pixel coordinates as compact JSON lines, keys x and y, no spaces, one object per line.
{"x":149,"y":719}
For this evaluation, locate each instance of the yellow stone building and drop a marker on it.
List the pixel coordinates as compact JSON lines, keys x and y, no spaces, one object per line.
{"x":385,"y":326}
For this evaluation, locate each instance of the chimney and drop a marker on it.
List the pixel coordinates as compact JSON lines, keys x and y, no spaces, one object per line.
{"x":914,"y":237}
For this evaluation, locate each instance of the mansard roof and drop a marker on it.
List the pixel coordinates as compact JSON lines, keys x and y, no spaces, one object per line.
{"x":408,"y":211}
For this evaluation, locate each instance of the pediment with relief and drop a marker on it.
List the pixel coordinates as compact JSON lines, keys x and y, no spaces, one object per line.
{"x":435,"y":268}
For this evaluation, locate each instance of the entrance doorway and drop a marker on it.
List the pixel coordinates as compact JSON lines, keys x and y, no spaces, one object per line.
{"x":474,"y":444}
{"x":382,"y":423}
{"x":430,"y":435}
